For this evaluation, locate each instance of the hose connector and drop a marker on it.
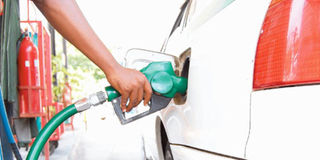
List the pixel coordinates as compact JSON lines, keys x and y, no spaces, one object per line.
{"x":93,"y":100}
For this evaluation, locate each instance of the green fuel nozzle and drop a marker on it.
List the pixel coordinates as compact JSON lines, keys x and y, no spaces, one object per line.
{"x":164,"y":83}
{"x":162,"y":79}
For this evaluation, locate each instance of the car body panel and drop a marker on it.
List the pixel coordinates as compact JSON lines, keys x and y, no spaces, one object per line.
{"x":150,"y":126}
{"x":223,"y":117}
{"x":183,"y":152}
{"x":216,"y":115}
{"x":285,"y":123}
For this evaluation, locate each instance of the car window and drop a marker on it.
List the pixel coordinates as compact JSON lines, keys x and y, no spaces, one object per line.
{"x":178,"y":23}
{"x":180,"y":17}
{"x":195,"y":13}
{"x":189,"y":13}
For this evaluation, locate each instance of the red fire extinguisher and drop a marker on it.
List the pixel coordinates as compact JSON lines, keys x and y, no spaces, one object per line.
{"x":1,"y":8}
{"x":29,"y":79}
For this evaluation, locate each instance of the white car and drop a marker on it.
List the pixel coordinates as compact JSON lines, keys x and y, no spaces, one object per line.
{"x":253,"y":69}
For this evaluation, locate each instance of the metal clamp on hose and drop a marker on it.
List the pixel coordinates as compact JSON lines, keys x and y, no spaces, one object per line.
{"x":93,"y":100}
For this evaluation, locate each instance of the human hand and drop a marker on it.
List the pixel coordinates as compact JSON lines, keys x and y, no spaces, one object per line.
{"x":131,"y":84}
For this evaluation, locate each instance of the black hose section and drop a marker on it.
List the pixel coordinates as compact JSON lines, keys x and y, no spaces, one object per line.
{"x":15,"y":151}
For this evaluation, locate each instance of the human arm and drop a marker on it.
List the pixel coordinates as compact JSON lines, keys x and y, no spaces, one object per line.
{"x":66,"y":17}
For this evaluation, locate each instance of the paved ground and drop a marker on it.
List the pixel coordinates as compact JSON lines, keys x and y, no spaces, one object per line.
{"x":103,"y":138}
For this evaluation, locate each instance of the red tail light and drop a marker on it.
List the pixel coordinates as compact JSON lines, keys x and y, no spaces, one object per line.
{"x":288,"y":51}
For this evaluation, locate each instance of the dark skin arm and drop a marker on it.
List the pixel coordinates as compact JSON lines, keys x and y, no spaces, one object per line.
{"x":66,"y":17}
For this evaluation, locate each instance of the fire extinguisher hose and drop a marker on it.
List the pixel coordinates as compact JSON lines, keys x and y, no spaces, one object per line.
{"x":45,"y":133}
{"x":48,"y":129}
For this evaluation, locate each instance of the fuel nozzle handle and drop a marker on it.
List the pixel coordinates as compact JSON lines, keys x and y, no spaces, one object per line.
{"x":112,"y":93}
{"x":162,"y":79}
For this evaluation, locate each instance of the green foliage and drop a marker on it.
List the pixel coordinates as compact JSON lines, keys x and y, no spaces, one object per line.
{"x":60,"y":71}
{"x":98,"y":74}
{"x":79,"y":61}
{"x":79,"y":65}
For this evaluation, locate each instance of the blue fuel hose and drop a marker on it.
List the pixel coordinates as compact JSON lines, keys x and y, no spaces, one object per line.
{"x":7,"y":128}
{"x":1,"y":157}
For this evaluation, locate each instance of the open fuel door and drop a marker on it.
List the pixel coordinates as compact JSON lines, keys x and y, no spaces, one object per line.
{"x":139,"y":58}
{"x":159,"y":69}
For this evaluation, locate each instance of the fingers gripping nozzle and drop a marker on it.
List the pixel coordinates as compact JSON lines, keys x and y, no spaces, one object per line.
{"x":162,"y":79}
{"x":164,"y":83}
{"x":93,"y":100}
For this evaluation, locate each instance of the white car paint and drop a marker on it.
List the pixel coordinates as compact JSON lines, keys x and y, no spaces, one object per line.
{"x":215,"y":120}
{"x":285,"y":124}
{"x":216,"y":115}
{"x":182,"y":153}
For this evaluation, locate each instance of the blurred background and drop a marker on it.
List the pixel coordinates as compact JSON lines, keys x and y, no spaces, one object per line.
{"x":121,"y":25}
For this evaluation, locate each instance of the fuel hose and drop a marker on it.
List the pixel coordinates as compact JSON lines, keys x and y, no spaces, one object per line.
{"x":54,"y":123}
{"x":48,"y":129}
{"x":1,"y":157}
